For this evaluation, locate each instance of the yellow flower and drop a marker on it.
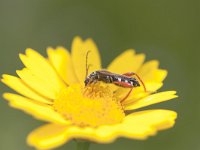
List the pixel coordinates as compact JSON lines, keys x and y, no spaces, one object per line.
{"x":52,"y":89}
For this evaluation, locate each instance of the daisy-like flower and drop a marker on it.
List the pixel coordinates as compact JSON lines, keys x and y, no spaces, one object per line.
{"x":52,"y":90}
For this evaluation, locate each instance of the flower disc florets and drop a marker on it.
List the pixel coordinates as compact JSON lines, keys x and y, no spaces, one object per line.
{"x":93,"y":105}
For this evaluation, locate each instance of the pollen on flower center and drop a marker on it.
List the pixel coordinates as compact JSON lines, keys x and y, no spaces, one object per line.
{"x":91,"y":106}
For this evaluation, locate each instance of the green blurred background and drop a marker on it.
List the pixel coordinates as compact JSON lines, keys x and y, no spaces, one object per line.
{"x":167,"y":30}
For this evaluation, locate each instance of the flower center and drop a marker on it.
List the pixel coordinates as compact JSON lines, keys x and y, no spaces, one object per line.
{"x":91,"y":106}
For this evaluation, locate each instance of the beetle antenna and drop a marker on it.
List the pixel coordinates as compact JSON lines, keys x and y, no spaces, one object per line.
{"x":87,"y":66}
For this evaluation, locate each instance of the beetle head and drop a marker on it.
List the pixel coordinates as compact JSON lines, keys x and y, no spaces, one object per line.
{"x":90,"y":79}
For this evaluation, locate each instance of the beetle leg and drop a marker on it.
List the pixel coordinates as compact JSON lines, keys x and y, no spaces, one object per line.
{"x":127,"y":95}
{"x":133,"y":73}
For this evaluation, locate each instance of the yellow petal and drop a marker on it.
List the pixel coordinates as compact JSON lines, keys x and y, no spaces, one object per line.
{"x":142,"y":124}
{"x":138,"y":125}
{"x":128,"y":61}
{"x":159,"y":75}
{"x":150,"y":72}
{"x":158,"y":118}
{"x":79,"y":50}
{"x":152,"y":99}
{"x":40,"y":86}
{"x":61,"y":60}
{"x":147,"y":67}
{"x":48,"y":136}
{"x":41,"y":68}
{"x":37,"y":110}
{"x":51,"y":136}
{"x":19,"y":86}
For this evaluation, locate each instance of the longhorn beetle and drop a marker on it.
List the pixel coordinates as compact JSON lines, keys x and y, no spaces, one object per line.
{"x":125,"y":80}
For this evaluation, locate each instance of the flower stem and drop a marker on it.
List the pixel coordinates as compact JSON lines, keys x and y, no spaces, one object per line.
{"x":82,"y":145}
